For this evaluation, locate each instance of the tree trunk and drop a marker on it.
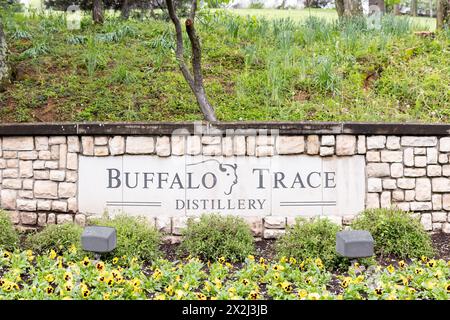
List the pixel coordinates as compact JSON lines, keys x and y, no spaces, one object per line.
{"x":442,"y":14}
{"x":97,"y":12}
{"x":340,"y":8}
{"x":125,"y":10}
{"x":414,"y":8}
{"x":4,"y":69}
{"x":348,"y":8}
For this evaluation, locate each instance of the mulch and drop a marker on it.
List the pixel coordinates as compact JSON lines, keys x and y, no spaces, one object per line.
{"x":266,"y":249}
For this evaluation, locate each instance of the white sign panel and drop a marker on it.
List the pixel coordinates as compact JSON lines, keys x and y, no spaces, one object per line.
{"x":298,"y":185}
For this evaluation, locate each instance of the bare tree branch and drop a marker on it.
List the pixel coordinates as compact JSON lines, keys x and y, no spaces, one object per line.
{"x":195,"y":81}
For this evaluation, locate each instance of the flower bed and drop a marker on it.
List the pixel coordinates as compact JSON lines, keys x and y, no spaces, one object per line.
{"x":70,"y":276}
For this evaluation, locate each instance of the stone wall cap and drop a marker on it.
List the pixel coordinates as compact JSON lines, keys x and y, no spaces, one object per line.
{"x":222,"y":128}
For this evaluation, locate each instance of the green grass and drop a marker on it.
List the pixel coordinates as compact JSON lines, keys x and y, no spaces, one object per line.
{"x":330,"y":15}
{"x":255,"y":68}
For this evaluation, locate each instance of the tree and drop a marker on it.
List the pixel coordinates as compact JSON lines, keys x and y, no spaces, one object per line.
{"x":4,"y":69}
{"x":125,"y":10}
{"x":194,"y":80}
{"x":442,"y":15}
{"x":97,"y":11}
{"x":348,"y":8}
{"x":414,"y":8}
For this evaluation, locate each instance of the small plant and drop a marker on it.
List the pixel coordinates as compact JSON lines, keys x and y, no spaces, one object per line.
{"x":216,"y":236}
{"x":313,"y":239}
{"x":9,"y":237}
{"x":135,"y":237}
{"x":395,"y":232}
{"x":56,"y":237}
{"x":36,"y":51}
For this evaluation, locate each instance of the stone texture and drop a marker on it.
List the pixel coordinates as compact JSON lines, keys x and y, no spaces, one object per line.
{"x":264,"y":151}
{"x":434,"y":170}
{"x":361,"y":145}
{"x":59,"y":206}
{"x":273,"y":233}
{"x":408,"y":156}
{"x":423,"y":189}
{"x":80,"y":219}
{"x":26,"y":205}
{"x":274,"y":222}
{"x":56,"y":140}
{"x":444,"y":144}
{"x":426,"y":221}
{"x":212,"y":149}
{"x":439,"y":216}
{"x":72,"y":205}
{"x":10,"y":173}
{"x":163,"y":146}
{"x":100,"y":141}
{"x":227,"y":146}
{"x":72,"y":161}
{"x":41,"y":143}
{"x":87,"y":144}
{"x":420,"y":161}
{"x":410,"y":141}
{"x":54,"y":152}
{"x":67,"y":190}
{"x":376,"y":142}
{"x":446,"y":170}
{"x":251,"y":145}
{"x":117,"y":145}
{"x":290,"y":144}
{"x":393,"y":143}
{"x":18,"y":143}
{"x":8,"y":199}
{"x":71,"y":176}
{"x":327,"y":141}
{"x":9,"y":154}
{"x":398,"y":195}
{"x":446,"y":201}
{"x":164,"y":224}
{"x":193,"y":145}
{"x":62,"y":156}
{"x":101,"y":151}
{"x":73,"y":144}
{"x":42,"y":220}
{"x":374,"y":185}
{"x":443,"y":158}
{"x":28,"y":218}
{"x":45,"y":155}
{"x":410,"y":195}
{"x":27,"y":184}
{"x":41,"y":174}
{"x":211,"y":139}
{"x":57,"y":175}
{"x":432,"y":156}
{"x":391,"y":156}
{"x":178,"y":145}
{"x":396,"y":170}
{"x":45,"y":189}
{"x":12,"y":183}
{"x":421,"y":206}
{"x":389,"y":184}
{"x":378,"y":170}
{"x":326,"y":151}
{"x":44,"y":205}
{"x":385,"y":199}
{"x":403,"y":206}
{"x":140,"y":145}
{"x":64,"y":218}
{"x":372,"y":201}
{"x":256,"y":225}
{"x":51,"y":218}
{"x":373,"y":156}
{"x":420,"y":151}
{"x":414,"y":172}
{"x":345,"y":145}
{"x":38,"y":164}
{"x":239,"y":145}
{"x":312,"y":144}
{"x":440,"y":184}
{"x":436,"y":200}
{"x":27,"y":155}
{"x":446,"y":228}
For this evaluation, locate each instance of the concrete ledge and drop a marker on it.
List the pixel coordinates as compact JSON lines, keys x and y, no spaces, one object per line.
{"x":238,"y":128}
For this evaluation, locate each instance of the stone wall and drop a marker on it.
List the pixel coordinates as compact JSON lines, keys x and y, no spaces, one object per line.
{"x":39,"y":174}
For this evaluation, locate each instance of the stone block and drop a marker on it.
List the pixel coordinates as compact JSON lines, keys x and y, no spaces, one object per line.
{"x":41,"y":143}
{"x":290,"y":144}
{"x":193,"y":145}
{"x":99,"y":239}
{"x":326,"y":151}
{"x":67,"y":190}
{"x":273,"y":233}
{"x":423,"y":189}
{"x":18,"y":143}
{"x":374,"y":185}
{"x":239,"y":145}
{"x":117,"y":145}
{"x":57,"y":175}
{"x":101,"y":151}
{"x":163,"y":146}
{"x":178,"y":145}
{"x":378,"y":169}
{"x":361,"y":145}
{"x":87,"y":145}
{"x":274,"y":222}
{"x":444,"y":144}
{"x":376,"y":142}
{"x":345,"y":145}
{"x":426,"y":221}
{"x":28,"y":218}
{"x":434,"y":170}
{"x":327,"y":141}
{"x":8,"y":199}
{"x":440,"y":184}
{"x":59,"y":206}
{"x":373,"y":156}
{"x":410,"y":141}
{"x":57,"y":140}
{"x":26,"y":205}
{"x":312,"y":144}
{"x":354,"y":244}
{"x":73,"y":144}
{"x":45,"y":189}
{"x":393,"y":143}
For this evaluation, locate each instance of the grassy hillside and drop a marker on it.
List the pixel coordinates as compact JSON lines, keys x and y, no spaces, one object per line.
{"x":255,"y":69}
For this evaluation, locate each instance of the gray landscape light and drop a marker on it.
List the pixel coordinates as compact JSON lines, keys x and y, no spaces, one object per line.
{"x":354,"y":244}
{"x":99,"y":239}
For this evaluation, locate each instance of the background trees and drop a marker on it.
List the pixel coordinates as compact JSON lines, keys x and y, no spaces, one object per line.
{"x":4,"y":70}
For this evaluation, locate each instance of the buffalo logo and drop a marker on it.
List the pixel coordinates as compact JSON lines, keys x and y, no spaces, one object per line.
{"x":217,"y":170}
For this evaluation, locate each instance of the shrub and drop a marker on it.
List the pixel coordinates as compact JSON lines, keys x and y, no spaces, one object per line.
{"x":135,"y":237}
{"x":216,"y":236}
{"x":315,"y":239}
{"x":56,"y":236}
{"x":9,"y":238}
{"x":395,"y":232}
